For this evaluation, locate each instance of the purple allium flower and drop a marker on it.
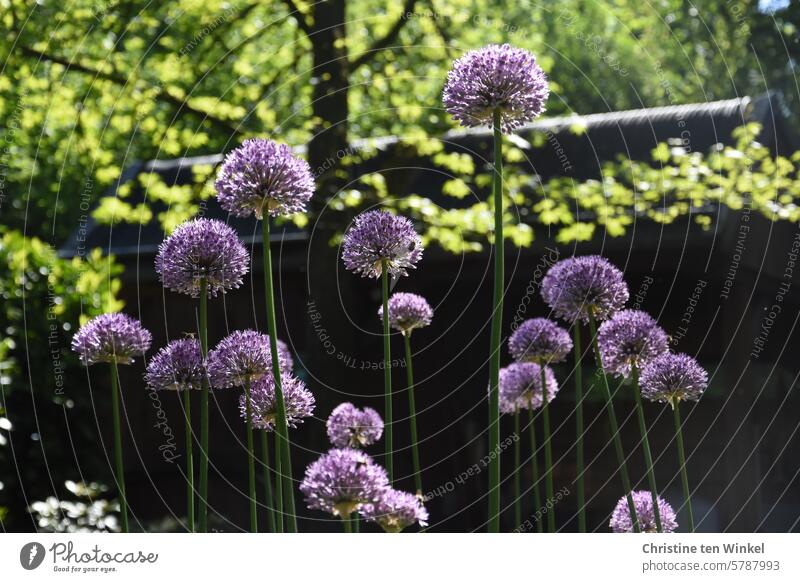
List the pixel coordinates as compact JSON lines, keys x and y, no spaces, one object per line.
{"x":643,"y":503}
{"x":202,"y":248}
{"x":350,"y":427}
{"x":396,"y":510}
{"x":242,"y":356}
{"x":407,"y":312}
{"x":376,"y":236}
{"x":298,"y":401}
{"x":111,"y":337}
{"x":577,"y":285}
{"x":342,"y":480}
{"x":263,"y":175}
{"x":521,"y":386}
{"x":630,"y":338}
{"x":176,"y":366}
{"x":539,"y":340}
{"x":496,"y":77}
{"x":672,"y":378}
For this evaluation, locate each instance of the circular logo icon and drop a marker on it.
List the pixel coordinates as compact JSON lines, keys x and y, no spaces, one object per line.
{"x":31,"y":555}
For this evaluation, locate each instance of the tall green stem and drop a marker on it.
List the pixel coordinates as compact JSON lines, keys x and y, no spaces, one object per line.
{"x":355,"y":520}
{"x":537,"y":499}
{"x":612,"y":420}
{"x":267,"y":481}
{"x":204,"y":408}
{"x":282,"y":436}
{"x":548,"y":454}
{"x":279,"y":515}
{"x":682,"y":459}
{"x":251,"y":461}
{"x":120,"y":469}
{"x":412,"y":413}
{"x":576,"y":334}
{"x":387,"y":372}
{"x":651,"y":474}
{"x":187,"y":412}
{"x":347,"y":524}
{"x":517,"y":486}
{"x":497,"y":324}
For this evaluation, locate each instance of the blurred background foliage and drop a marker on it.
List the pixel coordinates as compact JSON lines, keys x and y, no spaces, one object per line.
{"x":91,"y":86}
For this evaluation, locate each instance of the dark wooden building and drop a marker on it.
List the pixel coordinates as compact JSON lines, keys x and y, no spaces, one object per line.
{"x":710,"y":289}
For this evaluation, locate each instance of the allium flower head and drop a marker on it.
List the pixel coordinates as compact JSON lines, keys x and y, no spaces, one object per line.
{"x":111,"y":337}
{"x":521,"y":386}
{"x":342,"y":480}
{"x":350,"y":427}
{"x":407,"y":312}
{"x":643,"y":503}
{"x":496,"y":77}
{"x":539,"y":340}
{"x":202,"y":249}
{"x":630,"y":338}
{"x":262,"y":176}
{"x":244,"y":356}
{"x":298,"y":401}
{"x":176,"y":366}
{"x":396,"y":510}
{"x":577,"y":285}
{"x":376,"y":236}
{"x":672,"y":378}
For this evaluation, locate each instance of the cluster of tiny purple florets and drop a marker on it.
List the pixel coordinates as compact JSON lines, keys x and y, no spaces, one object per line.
{"x":242,"y":357}
{"x":263,"y":177}
{"x":407,"y":312}
{"x":643,"y":503}
{"x":521,"y":386}
{"x":342,"y":480}
{"x":578,"y":286}
{"x":202,"y":250}
{"x":630,"y":338}
{"x":177,"y":366}
{"x":541,"y":341}
{"x":672,"y":378}
{"x":298,"y":402}
{"x":377,"y":236}
{"x":111,"y":337}
{"x":349,"y":426}
{"x":496,"y":78}
{"x":396,"y":510}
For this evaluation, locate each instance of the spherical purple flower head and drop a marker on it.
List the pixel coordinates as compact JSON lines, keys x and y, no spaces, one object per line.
{"x":298,"y":401}
{"x":630,"y":338}
{"x":643,"y":503}
{"x":496,"y":77}
{"x":539,"y":340}
{"x":350,"y":427}
{"x":521,"y":386}
{"x":111,"y":337}
{"x":198,"y":249}
{"x":244,"y":356}
{"x":407,"y":312}
{"x":672,"y":378}
{"x":342,"y":480}
{"x":263,"y":175}
{"x":176,"y":366}
{"x":378,"y":236}
{"x":396,"y":510}
{"x":577,"y":285}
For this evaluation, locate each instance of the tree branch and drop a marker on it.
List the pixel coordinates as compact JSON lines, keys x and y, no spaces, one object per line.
{"x":163,"y":95}
{"x":299,"y":16}
{"x":387,"y":39}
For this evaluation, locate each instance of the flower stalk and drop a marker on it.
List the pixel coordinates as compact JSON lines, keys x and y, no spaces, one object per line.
{"x":204,"y":393}
{"x":612,"y":420}
{"x":412,"y":412}
{"x":187,"y":416}
{"x":648,"y":457}
{"x":576,"y":340}
{"x":517,"y":485}
{"x":687,"y":494}
{"x":267,"y":481}
{"x":251,"y":461}
{"x":537,"y":499}
{"x":387,"y":371}
{"x":282,"y":448}
{"x":118,"y":462}
{"x":497,"y":322}
{"x":548,"y":452}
